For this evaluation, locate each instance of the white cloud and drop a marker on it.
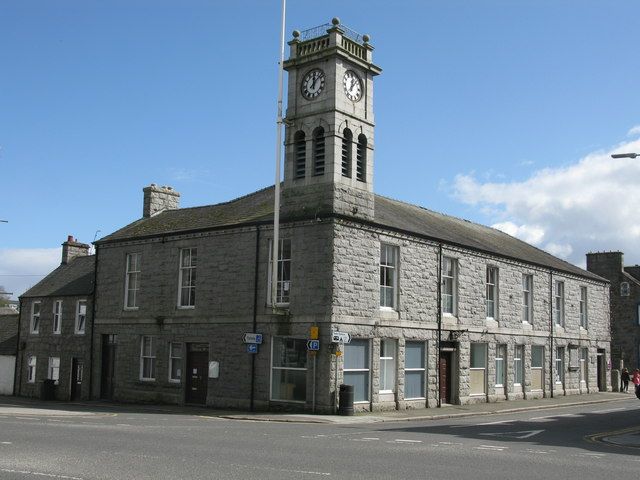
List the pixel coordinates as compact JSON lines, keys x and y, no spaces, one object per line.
{"x":634,"y":131}
{"x":592,"y":205}
{"x":21,"y":268}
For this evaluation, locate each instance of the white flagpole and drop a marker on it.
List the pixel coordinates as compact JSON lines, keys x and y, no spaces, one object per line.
{"x":276,"y":203}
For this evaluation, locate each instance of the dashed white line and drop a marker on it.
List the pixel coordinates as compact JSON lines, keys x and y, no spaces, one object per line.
{"x":6,"y":443}
{"x":403,"y":440}
{"x":40,"y":474}
{"x":490,"y":447}
{"x":496,"y":423}
{"x":609,"y":410}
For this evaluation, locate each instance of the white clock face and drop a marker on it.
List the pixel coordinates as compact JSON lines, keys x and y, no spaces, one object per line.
{"x":352,"y":85}
{"x":312,"y":84}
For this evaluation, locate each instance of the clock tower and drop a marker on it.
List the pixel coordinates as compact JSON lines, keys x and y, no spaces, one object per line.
{"x":329,"y":122}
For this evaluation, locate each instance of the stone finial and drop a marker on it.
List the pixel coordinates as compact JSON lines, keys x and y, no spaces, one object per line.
{"x":335,"y":21}
{"x":296,"y":34}
{"x":72,"y":249}
{"x":158,"y":199}
{"x":366,"y":38}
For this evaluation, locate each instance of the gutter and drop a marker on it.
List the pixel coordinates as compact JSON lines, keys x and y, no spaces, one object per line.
{"x":551,"y":352}
{"x":17,"y":369}
{"x":438,"y":340}
{"x":255,"y":318}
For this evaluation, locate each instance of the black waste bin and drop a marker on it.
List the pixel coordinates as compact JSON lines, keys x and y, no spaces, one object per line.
{"x":345,"y":405}
{"x":48,"y":391}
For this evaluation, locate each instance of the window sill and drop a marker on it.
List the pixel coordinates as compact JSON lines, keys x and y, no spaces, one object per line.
{"x":186,"y":307}
{"x":130,"y":309}
{"x":146,"y":381}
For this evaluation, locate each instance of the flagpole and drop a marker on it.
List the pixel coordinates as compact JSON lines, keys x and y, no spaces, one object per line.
{"x":276,"y":203}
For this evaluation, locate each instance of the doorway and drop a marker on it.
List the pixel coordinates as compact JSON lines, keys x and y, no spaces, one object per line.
{"x":77,"y":370}
{"x":108,"y":371}
{"x":445,"y":373}
{"x":197,"y":373}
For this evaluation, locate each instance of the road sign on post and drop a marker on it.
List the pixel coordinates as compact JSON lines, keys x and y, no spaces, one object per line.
{"x":313,"y":345}
{"x":340,"y":337}
{"x":252,"y":338}
{"x":252,"y":348}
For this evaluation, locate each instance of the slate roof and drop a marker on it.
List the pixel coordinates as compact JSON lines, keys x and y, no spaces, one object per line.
{"x":73,"y":278}
{"x":257,"y":207}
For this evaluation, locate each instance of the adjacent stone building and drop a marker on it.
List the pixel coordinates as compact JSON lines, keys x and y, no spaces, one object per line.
{"x":412,"y":308}
{"x":55,"y":328}
{"x":8,"y":348}
{"x":625,"y":306}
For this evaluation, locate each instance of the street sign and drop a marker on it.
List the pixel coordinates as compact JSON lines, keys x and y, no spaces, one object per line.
{"x":252,"y":348}
{"x":340,"y":337}
{"x":313,"y":345}
{"x":252,"y":338}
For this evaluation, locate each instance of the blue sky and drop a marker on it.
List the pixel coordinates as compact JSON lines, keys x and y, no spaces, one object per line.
{"x":500,"y":112}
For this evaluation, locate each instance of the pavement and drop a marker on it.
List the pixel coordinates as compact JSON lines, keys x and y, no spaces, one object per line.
{"x":29,"y":407}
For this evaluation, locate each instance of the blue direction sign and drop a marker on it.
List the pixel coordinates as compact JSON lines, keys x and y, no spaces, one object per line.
{"x":252,"y":338}
{"x":313,"y":345}
{"x":252,"y":348}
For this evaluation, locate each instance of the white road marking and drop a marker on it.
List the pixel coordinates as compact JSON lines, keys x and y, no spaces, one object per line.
{"x":123,"y":424}
{"x":519,"y":435}
{"x":568,"y":415}
{"x":537,"y":452}
{"x":402,"y":440}
{"x":496,"y":423}
{"x":594,"y":455}
{"x":365,"y":439}
{"x":40,"y":474}
{"x":541,"y":419}
{"x":609,"y":410}
{"x":6,"y":443}
{"x":491,"y":447}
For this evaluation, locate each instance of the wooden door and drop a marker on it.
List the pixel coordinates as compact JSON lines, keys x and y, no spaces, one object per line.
{"x":444,"y":366}
{"x":107,"y":378}
{"x":197,"y":373}
{"x":77,"y":371}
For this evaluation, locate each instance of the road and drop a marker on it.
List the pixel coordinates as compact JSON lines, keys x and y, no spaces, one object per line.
{"x":125,"y":443}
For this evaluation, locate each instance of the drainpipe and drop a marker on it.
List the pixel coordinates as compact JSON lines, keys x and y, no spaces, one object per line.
{"x":439,"y":297}
{"x":255,"y":317}
{"x":93,"y":322}
{"x":551,"y":352}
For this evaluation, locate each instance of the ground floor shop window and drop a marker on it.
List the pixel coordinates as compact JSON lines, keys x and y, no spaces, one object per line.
{"x":560,"y":365}
{"x":356,"y":369}
{"x":537,"y":367}
{"x":289,"y":369}
{"x":54,"y":369}
{"x":584,"y":354}
{"x":478,"y":370}
{"x":147,"y":358}
{"x":387,"y":366}
{"x":518,"y":366}
{"x":501,"y":371}
{"x":414,"y":370}
{"x":175,"y":362}
{"x":31,"y":369}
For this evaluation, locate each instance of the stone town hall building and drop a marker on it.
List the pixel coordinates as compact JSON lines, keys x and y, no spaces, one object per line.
{"x":439,"y":309}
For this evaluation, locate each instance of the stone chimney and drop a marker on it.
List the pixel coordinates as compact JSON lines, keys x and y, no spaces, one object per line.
{"x":72,"y":249}
{"x":158,"y":199}
{"x":606,"y":264}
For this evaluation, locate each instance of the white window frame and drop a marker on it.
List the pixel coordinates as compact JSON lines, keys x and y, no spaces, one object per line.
{"x":53,"y":371}
{"x":559,"y":364}
{"x":150,"y":356}
{"x":538,"y":348}
{"x":81,"y":319}
{"x":34,"y":324}
{"x":558,"y":303}
{"x":421,"y":370}
{"x":133,"y":272}
{"x":527,"y":298}
{"x":388,"y":358}
{"x":491,"y":296}
{"x":174,"y":358}
{"x":32,"y":362}
{"x":389,"y":266}
{"x":366,"y":371}
{"x":584,"y":365}
{"x":584,"y":307}
{"x":518,"y":365}
{"x":57,"y":317}
{"x":625,"y":289}
{"x":189,"y":269}
{"x":283,"y":287}
{"x":501,"y":359}
{"x":453,"y":281}
{"x":472,"y":369}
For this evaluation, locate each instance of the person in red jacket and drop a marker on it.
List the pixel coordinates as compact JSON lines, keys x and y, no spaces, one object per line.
{"x":636,"y":381}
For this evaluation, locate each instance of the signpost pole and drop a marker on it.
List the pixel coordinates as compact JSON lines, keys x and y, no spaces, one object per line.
{"x":313,"y":392}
